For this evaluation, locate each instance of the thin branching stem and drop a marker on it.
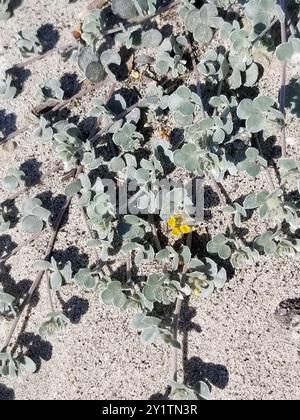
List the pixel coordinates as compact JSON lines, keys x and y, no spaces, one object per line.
{"x":283,"y":80}
{"x":155,"y":233}
{"x":49,"y":291}
{"x":141,"y":19}
{"x":55,"y":106}
{"x":176,"y":318}
{"x":21,"y":246}
{"x":269,"y":177}
{"x":44,"y":55}
{"x":37,"y":281}
{"x":265,"y":31}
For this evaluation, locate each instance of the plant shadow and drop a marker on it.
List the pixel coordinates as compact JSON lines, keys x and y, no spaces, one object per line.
{"x":31,"y":168}
{"x":74,"y":308}
{"x":6,"y":394}
{"x":19,"y":77}
{"x":7,"y":123}
{"x":48,"y":36}
{"x":35,"y":347}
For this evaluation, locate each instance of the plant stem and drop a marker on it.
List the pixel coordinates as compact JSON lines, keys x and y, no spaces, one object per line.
{"x":141,"y":19}
{"x":265,"y":31}
{"x":42,"y":56}
{"x":155,"y":234}
{"x":176,"y":317}
{"x":22,"y":245}
{"x":128,"y":267}
{"x":49,"y":292}
{"x":37,"y":281}
{"x":270,"y":179}
{"x":55,"y":107}
{"x":117,"y":118}
{"x":283,"y":80}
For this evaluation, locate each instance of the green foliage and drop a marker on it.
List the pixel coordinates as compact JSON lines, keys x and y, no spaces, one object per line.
{"x":253,"y":162}
{"x":288,"y":50}
{"x":13,"y":180}
{"x":7,"y":91}
{"x":4,"y":220}
{"x":29,"y":43}
{"x":54,"y":323}
{"x":204,"y":277}
{"x":90,"y":64}
{"x":51,"y":90}
{"x":219,"y":245}
{"x":260,"y":114}
{"x":58,"y":275}
{"x":14,"y":367}
{"x":4,"y":9}
{"x":8,"y":305}
{"x":162,"y":289}
{"x":238,"y":212}
{"x":262,"y":12}
{"x":290,"y":173}
{"x":152,"y":329}
{"x":124,"y":9}
{"x":244,"y":256}
{"x":182,"y":392}
{"x":202,"y":22}
{"x":34,"y":216}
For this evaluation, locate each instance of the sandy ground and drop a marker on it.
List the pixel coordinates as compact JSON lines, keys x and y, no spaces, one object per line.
{"x":233,"y":339}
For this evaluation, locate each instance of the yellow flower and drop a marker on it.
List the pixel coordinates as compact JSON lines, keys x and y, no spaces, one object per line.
{"x":176,"y":232}
{"x":185,"y":229}
{"x":172,"y":222}
{"x":196,"y":292}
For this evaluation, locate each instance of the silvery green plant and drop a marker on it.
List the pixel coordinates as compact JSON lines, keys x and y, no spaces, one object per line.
{"x":91,"y":27}
{"x":4,"y":220}
{"x":165,"y":64}
{"x":8,"y":304}
{"x":202,"y":23}
{"x":214,"y":65}
{"x":55,"y":322}
{"x":29,"y":43}
{"x":260,"y":114}
{"x":89,"y":62}
{"x":162,"y":289}
{"x":179,"y":391}
{"x":182,"y":104}
{"x":238,"y":212}
{"x":290,"y":173}
{"x":7,"y":91}
{"x":34,"y":216}
{"x":244,"y":256}
{"x":14,"y":367}
{"x":13,"y":180}
{"x":51,"y":90}
{"x":128,"y":138}
{"x":253,"y":163}
{"x":219,"y":245}
{"x":4,"y":10}
{"x":152,"y":329}
{"x":204,"y":276}
{"x":43,"y":129}
{"x":261,"y":13}
{"x":58,"y":275}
